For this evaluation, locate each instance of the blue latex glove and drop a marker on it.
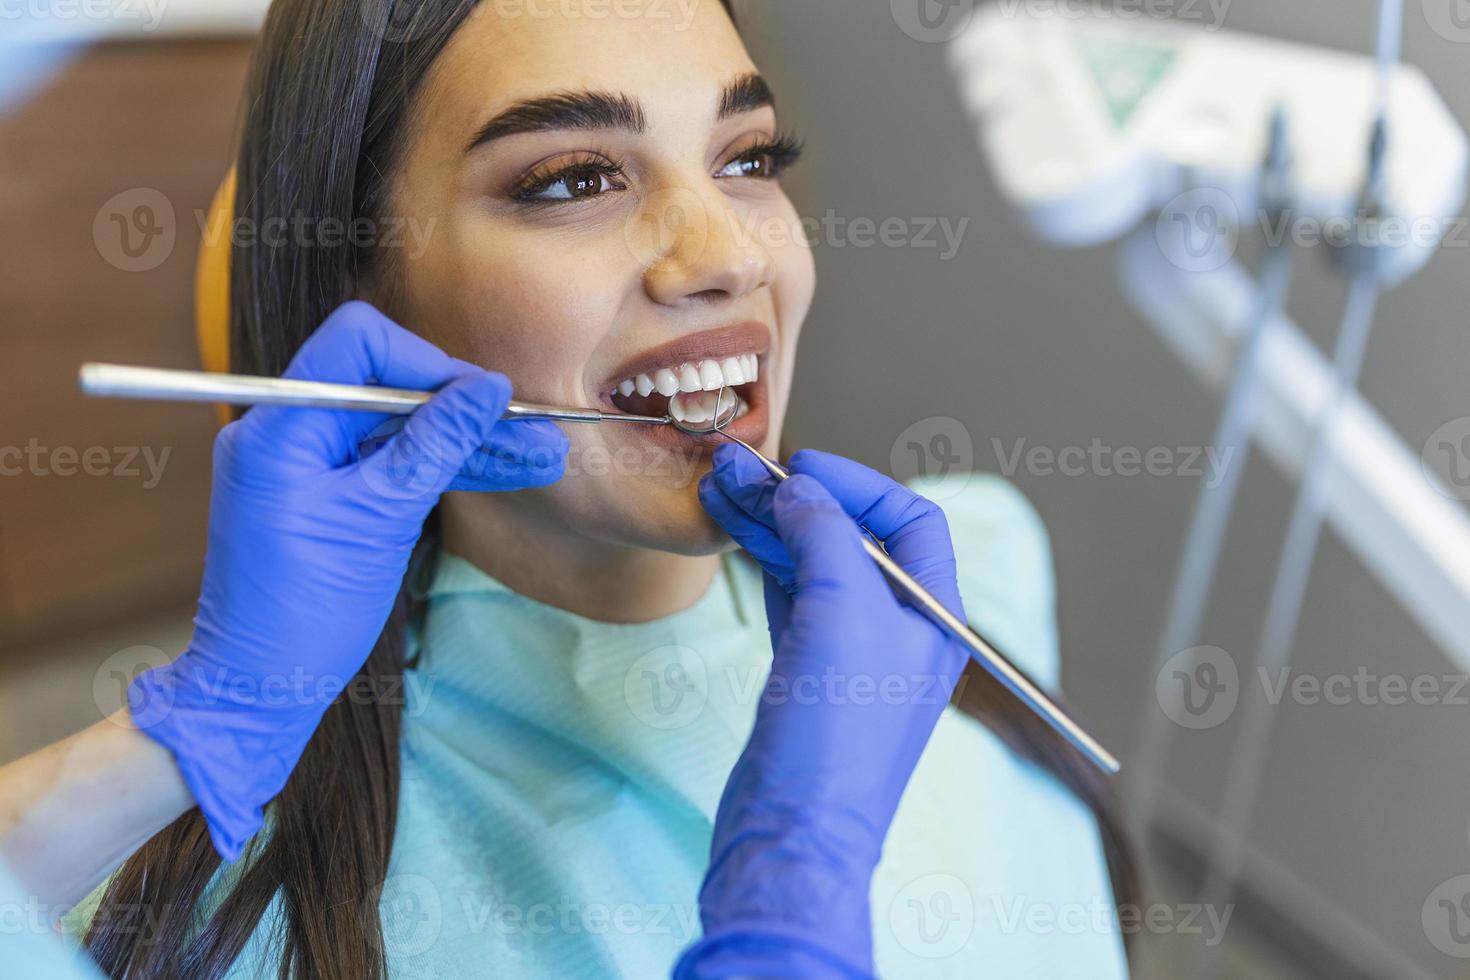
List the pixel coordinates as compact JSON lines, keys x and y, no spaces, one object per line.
{"x":309,"y":542}
{"x":858,"y":681}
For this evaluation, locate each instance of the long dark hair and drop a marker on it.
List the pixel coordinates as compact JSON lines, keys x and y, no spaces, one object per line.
{"x":330,"y":92}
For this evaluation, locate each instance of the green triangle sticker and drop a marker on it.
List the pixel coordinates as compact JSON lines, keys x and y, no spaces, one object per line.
{"x":1125,"y":72}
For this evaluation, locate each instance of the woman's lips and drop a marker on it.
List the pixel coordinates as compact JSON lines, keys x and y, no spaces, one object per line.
{"x":692,"y":368}
{"x":715,"y":346}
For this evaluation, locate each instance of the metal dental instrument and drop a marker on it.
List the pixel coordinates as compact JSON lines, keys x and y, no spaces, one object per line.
{"x":994,"y":662}
{"x":118,"y":381}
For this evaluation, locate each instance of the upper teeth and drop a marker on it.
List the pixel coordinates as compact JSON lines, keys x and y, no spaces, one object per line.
{"x":701,"y":376}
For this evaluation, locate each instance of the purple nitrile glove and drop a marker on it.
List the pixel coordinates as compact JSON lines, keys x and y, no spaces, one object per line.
{"x":309,"y":542}
{"x":858,"y":681}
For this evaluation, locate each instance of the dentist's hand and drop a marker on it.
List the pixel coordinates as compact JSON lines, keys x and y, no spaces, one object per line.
{"x":309,"y":541}
{"x":858,"y":681}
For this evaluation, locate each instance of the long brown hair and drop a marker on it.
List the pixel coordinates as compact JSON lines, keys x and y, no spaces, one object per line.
{"x":331,"y":89}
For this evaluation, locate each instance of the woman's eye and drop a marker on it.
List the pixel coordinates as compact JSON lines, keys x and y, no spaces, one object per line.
{"x":751,"y":165}
{"x":765,"y":161}
{"x":572,"y":185}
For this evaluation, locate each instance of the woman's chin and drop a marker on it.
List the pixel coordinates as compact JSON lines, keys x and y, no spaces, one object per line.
{"x":682,"y":526}
{"x":705,"y":537}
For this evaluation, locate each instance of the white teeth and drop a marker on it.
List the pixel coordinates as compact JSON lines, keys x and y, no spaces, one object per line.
{"x":711,"y":378}
{"x":690,"y":378}
{"x":688,"y":407}
{"x":698,"y":407}
{"x":733,"y":372}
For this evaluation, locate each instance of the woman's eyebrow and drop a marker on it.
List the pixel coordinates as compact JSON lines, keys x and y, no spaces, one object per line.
{"x":607,"y":110}
{"x":745,"y":94}
{"x":564,"y":110}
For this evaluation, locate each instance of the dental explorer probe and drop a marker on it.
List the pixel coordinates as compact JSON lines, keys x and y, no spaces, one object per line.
{"x":118,"y":381}
{"x":995,"y":663}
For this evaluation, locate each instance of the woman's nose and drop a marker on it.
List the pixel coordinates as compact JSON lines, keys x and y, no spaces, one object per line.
{"x":696,"y":247}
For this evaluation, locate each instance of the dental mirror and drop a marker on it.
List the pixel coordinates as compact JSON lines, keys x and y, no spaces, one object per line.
{"x":723,"y":417}
{"x":721,"y":420}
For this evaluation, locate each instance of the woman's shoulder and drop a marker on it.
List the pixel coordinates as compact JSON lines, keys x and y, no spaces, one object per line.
{"x":1003,"y":554}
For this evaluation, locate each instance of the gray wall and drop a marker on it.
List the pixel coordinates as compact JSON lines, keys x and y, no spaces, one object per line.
{"x":1367,"y":805}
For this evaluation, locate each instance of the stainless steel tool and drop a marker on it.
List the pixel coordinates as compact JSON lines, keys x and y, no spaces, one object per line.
{"x":119,"y":381}
{"x":113,"y":380}
{"x":992,"y":660}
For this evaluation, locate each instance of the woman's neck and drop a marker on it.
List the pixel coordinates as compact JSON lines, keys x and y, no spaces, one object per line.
{"x":540,"y":560}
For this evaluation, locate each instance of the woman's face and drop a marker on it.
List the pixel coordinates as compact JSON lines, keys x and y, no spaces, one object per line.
{"x":604,"y":227}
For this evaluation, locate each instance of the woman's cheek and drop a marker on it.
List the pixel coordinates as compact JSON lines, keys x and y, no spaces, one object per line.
{"x":535,"y":313}
{"x":795,"y":282}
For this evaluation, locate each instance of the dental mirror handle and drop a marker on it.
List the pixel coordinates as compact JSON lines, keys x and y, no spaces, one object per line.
{"x":120,"y":381}
{"x":994,"y":662}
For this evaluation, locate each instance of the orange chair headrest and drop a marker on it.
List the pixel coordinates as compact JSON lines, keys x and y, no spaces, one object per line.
{"x":212,"y":284}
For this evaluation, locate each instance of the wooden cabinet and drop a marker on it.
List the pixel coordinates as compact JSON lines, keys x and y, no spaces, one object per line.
{"x":103,"y":504}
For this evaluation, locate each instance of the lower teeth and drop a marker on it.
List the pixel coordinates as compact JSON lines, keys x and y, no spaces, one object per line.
{"x":698,"y":407}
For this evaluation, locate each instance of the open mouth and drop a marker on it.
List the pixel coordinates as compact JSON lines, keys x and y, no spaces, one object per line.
{"x":689,"y":390}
